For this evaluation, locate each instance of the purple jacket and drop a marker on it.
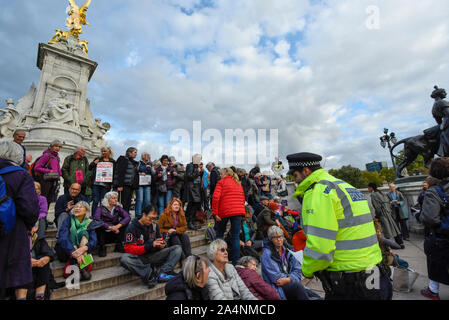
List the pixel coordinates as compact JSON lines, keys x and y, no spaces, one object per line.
{"x":171,"y":179}
{"x":103,"y":214}
{"x":53,"y":166}
{"x":259,"y":288}
{"x":43,"y":207}
{"x":27,"y":213}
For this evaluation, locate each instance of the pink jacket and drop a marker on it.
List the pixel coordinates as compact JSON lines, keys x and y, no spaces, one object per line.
{"x":53,"y":166}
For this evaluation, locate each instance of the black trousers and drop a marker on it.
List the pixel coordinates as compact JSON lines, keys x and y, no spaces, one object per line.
{"x":184,"y":241}
{"x":104,"y":237}
{"x":125,"y":197}
{"x":192,"y":208}
{"x":295,"y":291}
{"x":41,"y":276}
{"x":402,"y":224}
{"x":351,"y":289}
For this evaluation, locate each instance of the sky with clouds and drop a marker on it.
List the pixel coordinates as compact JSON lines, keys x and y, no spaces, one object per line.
{"x":326,"y":74}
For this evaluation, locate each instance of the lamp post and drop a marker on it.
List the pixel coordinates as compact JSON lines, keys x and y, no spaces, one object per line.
{"x":385,"y":141}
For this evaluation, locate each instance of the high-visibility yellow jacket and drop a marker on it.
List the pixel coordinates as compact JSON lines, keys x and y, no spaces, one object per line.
{"x":338,"y":225}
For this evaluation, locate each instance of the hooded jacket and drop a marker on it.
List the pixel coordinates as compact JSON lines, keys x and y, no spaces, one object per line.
{"x":259,"y":288}
{"x":177,"y":289}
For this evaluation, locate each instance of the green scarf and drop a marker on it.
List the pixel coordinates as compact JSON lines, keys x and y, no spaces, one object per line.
{"x":78,"y":230}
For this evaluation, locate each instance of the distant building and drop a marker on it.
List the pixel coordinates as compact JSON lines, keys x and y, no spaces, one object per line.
{"x":376,"y":166}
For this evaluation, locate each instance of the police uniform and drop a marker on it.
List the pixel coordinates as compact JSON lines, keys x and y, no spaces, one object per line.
{"x":341,"y":240}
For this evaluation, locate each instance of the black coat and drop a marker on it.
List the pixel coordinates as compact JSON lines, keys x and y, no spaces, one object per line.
{"x":177,"y":289}
{"x":121,"y":176}
{"x":194,"y":192}
{"x":214,"y":178}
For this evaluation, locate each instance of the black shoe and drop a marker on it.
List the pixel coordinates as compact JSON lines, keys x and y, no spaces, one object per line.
{"x":119,"y":248}
{"x":85,"y":274}
{"x":102,"y":252}
{"x":402,"y":246}
{"x":191,"y":226}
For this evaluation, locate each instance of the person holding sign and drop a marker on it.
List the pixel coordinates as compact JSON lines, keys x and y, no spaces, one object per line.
{"x":103,"y":170}
{"x":146,"y":171}
{"x":74,"y":170}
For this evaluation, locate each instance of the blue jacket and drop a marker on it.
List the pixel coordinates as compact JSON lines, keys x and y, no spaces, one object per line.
{"x":272,"y":267}
{"x":64,"y":240}
{"x":61,"y":203}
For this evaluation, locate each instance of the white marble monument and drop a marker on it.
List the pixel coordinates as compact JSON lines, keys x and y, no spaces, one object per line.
{"x":58,"y":108}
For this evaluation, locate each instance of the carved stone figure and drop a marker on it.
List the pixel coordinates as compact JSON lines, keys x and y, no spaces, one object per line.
{"x":61,"y":110}
{"x":9,"y":120}
{"x":98,"y":130}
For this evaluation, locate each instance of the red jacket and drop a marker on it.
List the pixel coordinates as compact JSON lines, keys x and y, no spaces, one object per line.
{"x":258,"y":287}
{"x":228,"y":199}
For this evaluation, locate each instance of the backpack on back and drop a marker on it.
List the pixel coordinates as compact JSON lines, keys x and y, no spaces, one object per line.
{"x":33,"y":172}
{"x":210,"y":235}
{"x":444,"y":214}
{"x":7,"y":206}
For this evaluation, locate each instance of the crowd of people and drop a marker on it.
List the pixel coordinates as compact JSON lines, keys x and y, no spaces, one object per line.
{"x":170,"y":199}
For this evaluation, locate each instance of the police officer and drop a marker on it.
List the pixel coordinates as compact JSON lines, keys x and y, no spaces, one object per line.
{"x":342,"y":249}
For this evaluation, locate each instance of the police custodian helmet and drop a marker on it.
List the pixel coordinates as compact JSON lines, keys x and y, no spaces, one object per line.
{"x":301,"y":160}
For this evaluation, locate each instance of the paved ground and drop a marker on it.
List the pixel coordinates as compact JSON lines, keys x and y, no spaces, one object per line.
{"x":414,"y":255}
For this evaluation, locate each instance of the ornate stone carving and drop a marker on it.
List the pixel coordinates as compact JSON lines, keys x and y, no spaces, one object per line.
{"x":61,"y":110}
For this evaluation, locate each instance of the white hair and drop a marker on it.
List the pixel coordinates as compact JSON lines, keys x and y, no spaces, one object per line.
{"x":213,"y":248}
{"x":275,"y":231}
{"x":81,"y":203}
{"x":11,"y":151}
{"x":107,"y":196}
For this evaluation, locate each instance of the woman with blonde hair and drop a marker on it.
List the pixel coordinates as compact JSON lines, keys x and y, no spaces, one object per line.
{"x":228,"y":204}
{"x":173,"y":225}
{"x":99,"y":189}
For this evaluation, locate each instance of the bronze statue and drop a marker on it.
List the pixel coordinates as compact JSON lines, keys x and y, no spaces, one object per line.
{"x":434,"y":141}
{"x":77,"y":18}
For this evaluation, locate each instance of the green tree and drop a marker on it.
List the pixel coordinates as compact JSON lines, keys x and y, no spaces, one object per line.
{"x":388,"y":174}
{"x":372,"y":177}
{"x":350,"y":175}
{"x":417,"y":165}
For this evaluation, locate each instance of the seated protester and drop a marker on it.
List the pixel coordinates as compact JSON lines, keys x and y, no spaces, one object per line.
{"x":260,"y":206}
{"x":268,"y":218}
{"x":173,"y":225}
{"x":41,"y":256}
{"x":249,"y":246}
{"x":66,"y":202}
{"x":114,"y":220}
{"x":247,"y":270}
{"x":281,"y":270}
{"x":77,"y":238}
{"x":190,"y":284}
{"x":224,"y":282}
{"x":145,"y":248}
{"x":43,"y":207}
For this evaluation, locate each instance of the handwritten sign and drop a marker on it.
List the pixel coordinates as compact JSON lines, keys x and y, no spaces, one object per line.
{"x":104,"y":172}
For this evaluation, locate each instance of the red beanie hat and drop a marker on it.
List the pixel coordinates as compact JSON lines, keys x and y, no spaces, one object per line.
{"x":273,"y":206}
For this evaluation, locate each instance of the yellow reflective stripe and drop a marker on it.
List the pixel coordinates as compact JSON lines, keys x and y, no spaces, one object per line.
{"x":318,"y":255}
{"x":320,"y":232}
{"x":350,"y":220}
{"x":356,"y":244}
{"x":355,"y":221}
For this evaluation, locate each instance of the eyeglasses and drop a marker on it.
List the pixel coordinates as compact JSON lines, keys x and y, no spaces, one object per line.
{"x":223,"y":250}
{"x":277,"y":238}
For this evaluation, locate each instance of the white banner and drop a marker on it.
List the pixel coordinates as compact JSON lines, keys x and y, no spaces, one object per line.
{"x":104,"y":172}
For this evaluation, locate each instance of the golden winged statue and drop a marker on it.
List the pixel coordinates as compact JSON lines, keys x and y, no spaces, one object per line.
{"x":76,"y":18}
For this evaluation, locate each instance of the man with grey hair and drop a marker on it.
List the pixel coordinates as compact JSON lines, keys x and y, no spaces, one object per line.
{"x":75,"y":169}
{"x":214,"y":177}
{"x":18,"y":137}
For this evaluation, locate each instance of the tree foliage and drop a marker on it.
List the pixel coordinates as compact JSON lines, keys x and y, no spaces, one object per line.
{"x":350,"y":175}
{"x":388,"y":174}
{"x":372,"y":177}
